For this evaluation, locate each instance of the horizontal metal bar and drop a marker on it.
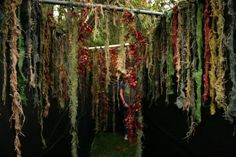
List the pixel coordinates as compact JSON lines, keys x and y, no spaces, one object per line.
{"x":107,"y":7}
{"x":110,"y":46}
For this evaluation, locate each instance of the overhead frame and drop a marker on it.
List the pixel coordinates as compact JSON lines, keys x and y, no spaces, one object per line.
{"x":103,"y":6}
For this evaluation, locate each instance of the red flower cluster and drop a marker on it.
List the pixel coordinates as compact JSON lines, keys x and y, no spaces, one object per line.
{"x":133,"y":54}
{"x":132,"y":50}
{"x":50,"y":20}
{"x":50,"y":14}
{"x":84,"y":29}
{"x":83,"y":61}
{"x":139,"y":38}
{"x":132,"y":123}
{"x":135,"y":60}
{"x":133,"y":80}
{"x":129,"y":121}
{"x":127,"y":17}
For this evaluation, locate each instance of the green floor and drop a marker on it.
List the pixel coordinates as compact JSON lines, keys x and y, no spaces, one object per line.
{"x":111,"y":145}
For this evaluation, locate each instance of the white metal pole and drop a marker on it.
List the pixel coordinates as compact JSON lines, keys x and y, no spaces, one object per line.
{"x":110,"y":46}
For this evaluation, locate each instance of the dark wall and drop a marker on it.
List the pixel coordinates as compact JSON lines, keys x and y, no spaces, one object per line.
{"x":56,"y":133}
{"x":165,"y":128}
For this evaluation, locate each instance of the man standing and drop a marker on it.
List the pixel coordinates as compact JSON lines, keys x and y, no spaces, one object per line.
{"x":125,"y":96}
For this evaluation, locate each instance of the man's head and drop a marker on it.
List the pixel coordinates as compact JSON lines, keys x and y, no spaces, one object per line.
{"x":126,"y":73}
{"x":123,"y":73}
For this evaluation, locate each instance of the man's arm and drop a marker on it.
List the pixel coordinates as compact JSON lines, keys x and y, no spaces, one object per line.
{"x":122,"y":98}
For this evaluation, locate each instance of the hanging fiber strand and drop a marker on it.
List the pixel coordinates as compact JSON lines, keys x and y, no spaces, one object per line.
{"x":188,"y":102}
{"x":181,"y":56}
{"x":230,"y":113}
{"x":207,"y":53}
{"x":63,"y":70}
{"x":170,"y":65}
{"x":73,"y":82}
{"x":174,"y":36}
{"x":22,"y":81}
{"x":4,"y":30}
{"x":213,"y":60}
{"x":176,"y":32}
{"x":39,"y":19}
{"x":220,"y":71}
{"x":107,"y":53}
{"x":17,"y":111}
{"x":94,"y":85}
{"x":163,"y":54}
{"x":196,"y":65}
{"x":46,"y":53}
{"x":198,"y":74}
{"x":153,"y":74}
{"x":29,"y":45}
{"x":190,"y":93}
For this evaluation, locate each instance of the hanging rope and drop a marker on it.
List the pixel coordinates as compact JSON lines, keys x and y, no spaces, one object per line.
{"x":17,"y":111}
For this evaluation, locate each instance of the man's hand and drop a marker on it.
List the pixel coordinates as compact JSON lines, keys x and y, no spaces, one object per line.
{"x":126,"y":105}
